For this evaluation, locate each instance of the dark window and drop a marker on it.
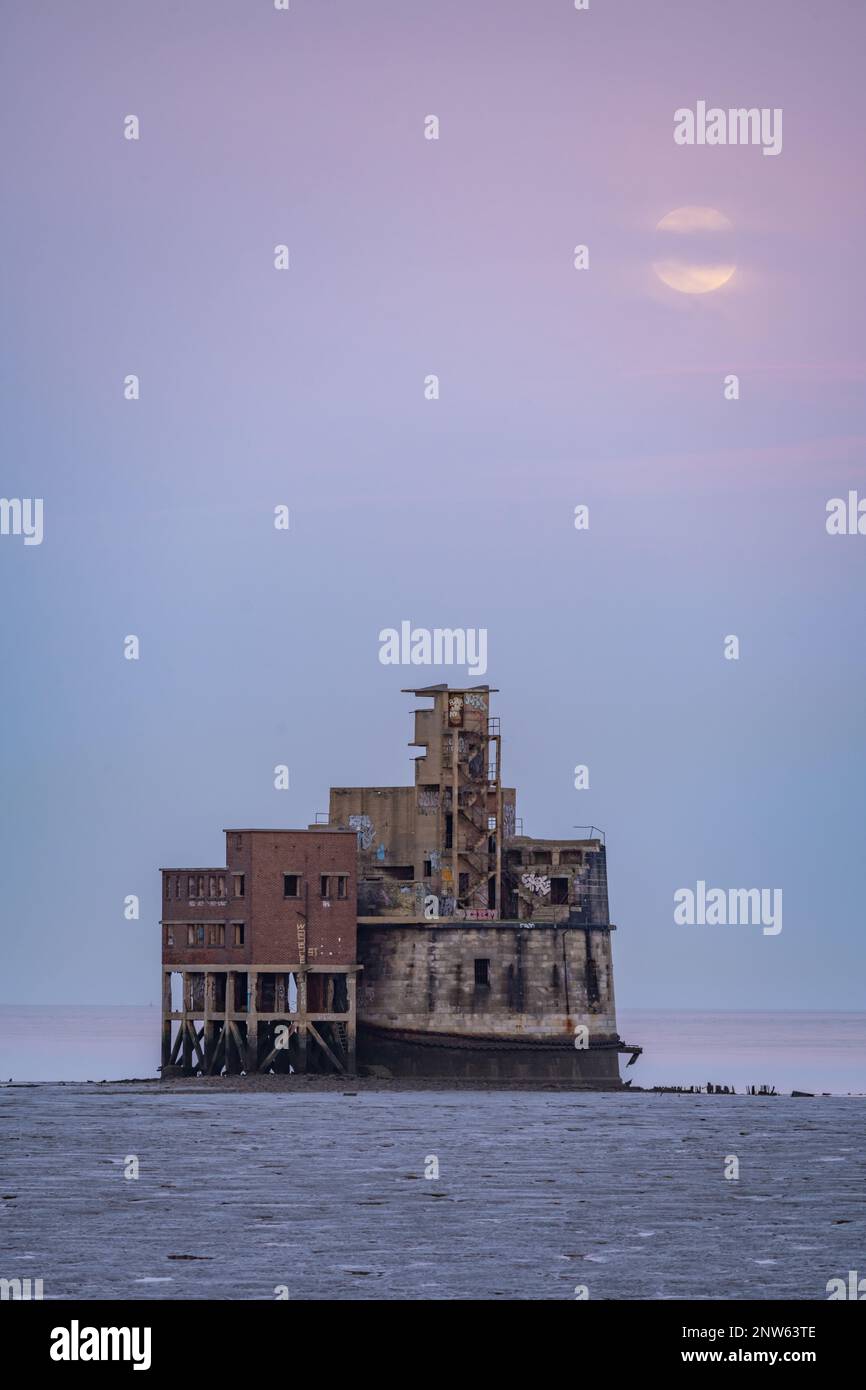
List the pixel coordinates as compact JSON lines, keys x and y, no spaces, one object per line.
{"x":559,"y":891}
{"x":428,"y":868}
{"x":267,"y":993}
{"x":325,"y":886}
{"x":169,"y":936}
{"x":402,"y":871}
{"x":240,"y":991}
{"x":239,"y":933}
{"x":291,"y":885}
{"x":199,"y":935}
{"x":482,"y":974}
{"x":464,"y":885}
{"x":593,"y":994}
{"x":342,"y":885}
{"x":449,"y":831}
{"x":239,"y":885}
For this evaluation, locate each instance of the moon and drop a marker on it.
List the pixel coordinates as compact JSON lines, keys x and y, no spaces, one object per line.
{"x":694,"y":271}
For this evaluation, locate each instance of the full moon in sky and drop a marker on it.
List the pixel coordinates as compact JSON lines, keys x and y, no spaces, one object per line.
{"x":691,"y":268}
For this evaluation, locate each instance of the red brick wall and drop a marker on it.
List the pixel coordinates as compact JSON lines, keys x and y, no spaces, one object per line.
{"x":330,"y":930}
{"x":270,"y":920}
{"x":184,"y":910}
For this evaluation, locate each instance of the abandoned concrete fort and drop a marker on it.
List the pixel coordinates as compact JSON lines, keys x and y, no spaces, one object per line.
{"x":418,"y":932}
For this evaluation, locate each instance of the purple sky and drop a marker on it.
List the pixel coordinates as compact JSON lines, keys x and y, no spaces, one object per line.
{"x":558,"y":387}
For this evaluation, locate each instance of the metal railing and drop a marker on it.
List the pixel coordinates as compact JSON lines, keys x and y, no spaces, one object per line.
{"x":599,"y":834}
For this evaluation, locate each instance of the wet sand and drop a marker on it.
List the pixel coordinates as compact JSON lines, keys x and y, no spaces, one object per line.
{"x":318,"y":1185}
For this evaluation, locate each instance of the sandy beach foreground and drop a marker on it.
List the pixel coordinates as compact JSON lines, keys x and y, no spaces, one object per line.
{"x":331,"y":1191}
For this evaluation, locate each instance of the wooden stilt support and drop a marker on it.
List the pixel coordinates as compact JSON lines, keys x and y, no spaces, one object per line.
{"x":252,"y":1047}
{"x":302,"y":1020}
{"x":217,"y":1053}
{"x":213,"y":1034}
{"x":314,"y":1032}
{"x":166,"y":1018}
{"x":352,"y":992}
{"x":186,"y":1046}
{"x":235,"y":1035}
{"x":195,"y":1040}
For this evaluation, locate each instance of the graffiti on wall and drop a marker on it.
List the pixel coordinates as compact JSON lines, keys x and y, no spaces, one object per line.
{"x":428,"y":802}
{"x":364,"y":829}
{"x":376,"y":896}
{"x":536,"y":883}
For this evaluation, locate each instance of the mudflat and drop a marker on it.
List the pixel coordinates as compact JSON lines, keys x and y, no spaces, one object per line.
{"x":309,"y":1191}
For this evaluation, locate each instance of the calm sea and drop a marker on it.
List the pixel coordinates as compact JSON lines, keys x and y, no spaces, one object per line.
{"x":791,"y":1051}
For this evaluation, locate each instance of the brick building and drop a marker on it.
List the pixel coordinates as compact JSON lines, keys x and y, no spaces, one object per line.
{"x":259,"y":955}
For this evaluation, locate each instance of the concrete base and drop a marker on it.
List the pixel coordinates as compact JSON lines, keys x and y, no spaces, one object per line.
{"x":500,"y":1059}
